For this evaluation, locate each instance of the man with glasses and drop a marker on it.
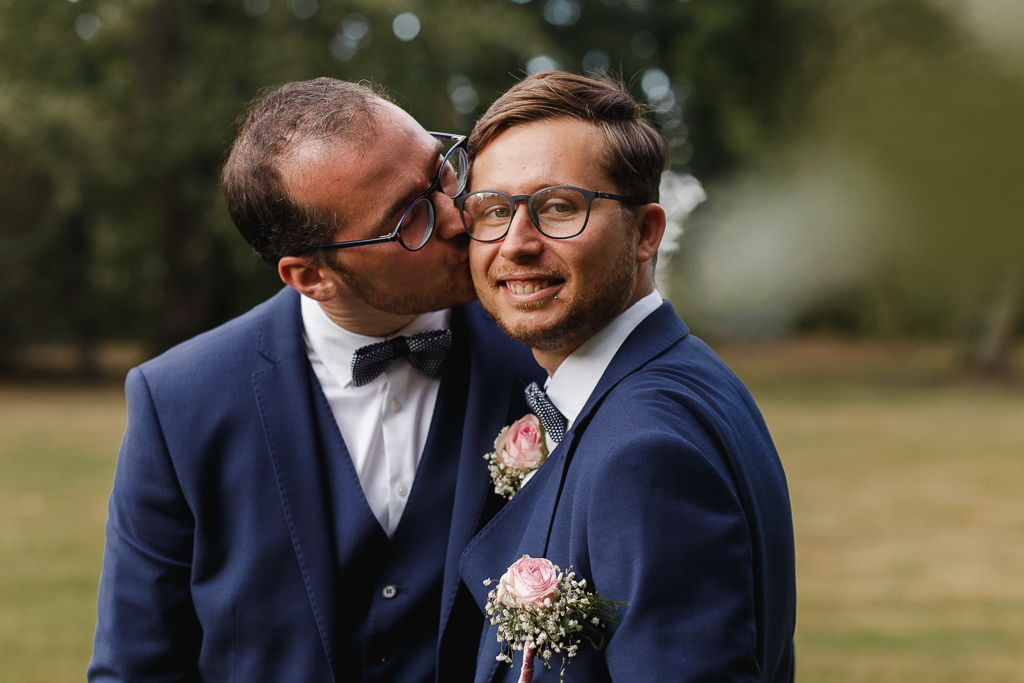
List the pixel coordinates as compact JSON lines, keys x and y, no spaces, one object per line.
{"x":295,"y":487}
{"x":662,"y":488}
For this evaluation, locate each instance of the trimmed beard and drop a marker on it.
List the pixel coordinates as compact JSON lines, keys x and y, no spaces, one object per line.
{"x":585,"y":315}
{"x":415,"y":303}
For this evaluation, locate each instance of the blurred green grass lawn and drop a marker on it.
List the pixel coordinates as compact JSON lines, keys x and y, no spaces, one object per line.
{"x":906,"y":486}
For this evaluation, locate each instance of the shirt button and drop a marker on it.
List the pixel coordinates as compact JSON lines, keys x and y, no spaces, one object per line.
{"x":390,"y":591}
{"x":401,"y":490}
{"x":396,"y":405}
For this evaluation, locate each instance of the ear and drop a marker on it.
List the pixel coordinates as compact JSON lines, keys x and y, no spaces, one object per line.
{"x":650,"y":230}
{"x":307,"y":278}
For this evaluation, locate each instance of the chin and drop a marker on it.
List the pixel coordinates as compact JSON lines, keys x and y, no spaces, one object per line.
{"x":463,"y":293}
{"x":532,"y":328}
{"x":577,"y":319}
{"x":460,"y":299}
{"x":552,"y":336}
{"x":436,"y":301}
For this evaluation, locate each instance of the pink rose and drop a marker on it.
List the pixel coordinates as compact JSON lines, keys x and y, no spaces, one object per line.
{"x":528,"y":582}
{"x":521,"y":446}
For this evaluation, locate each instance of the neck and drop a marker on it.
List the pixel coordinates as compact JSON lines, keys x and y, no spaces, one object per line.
{"x":550,"y":360}
{"x":363,"y":319}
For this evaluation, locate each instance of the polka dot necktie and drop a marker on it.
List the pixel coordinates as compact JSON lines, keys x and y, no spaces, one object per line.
{"x":552,"y":420}
{"x":426,"y":352}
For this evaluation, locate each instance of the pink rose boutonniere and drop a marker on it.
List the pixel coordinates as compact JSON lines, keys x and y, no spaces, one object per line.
{"x":543,"y":611}
{"x":519,"y":450}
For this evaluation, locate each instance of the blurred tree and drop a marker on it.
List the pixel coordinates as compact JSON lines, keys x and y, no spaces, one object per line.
{"x":922,"y":100}
{"x":896,"y":211}
{"x":115,"y":116}
{"x":724,"y":79}
{"x":53,"y":139}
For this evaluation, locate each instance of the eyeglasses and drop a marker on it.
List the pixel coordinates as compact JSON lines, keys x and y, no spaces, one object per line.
{"x":558,"y":212}
{"x":417,"y":223}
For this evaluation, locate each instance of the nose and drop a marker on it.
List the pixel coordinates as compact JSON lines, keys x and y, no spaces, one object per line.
{"x":447,"y":221}
{"x":523,"y":239}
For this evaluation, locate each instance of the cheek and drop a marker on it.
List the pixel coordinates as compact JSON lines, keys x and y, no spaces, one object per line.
{"x":398,"y":266}
{"x":417,"y":266}
{"x":591,"y":260}
{"x":480,"y":257}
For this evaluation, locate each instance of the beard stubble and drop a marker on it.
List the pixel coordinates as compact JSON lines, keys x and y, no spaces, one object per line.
{"x":411,"y":303}
{"x":585,"y":315}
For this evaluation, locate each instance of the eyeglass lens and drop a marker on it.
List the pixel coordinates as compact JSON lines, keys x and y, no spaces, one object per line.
{"x":453,"y":173}
{"x":418,"y":222}
{"x":557,"y":212}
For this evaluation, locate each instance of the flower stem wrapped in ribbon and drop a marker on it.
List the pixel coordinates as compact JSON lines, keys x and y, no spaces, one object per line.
{"x":519,"y":449}
{"x":542,"y":611}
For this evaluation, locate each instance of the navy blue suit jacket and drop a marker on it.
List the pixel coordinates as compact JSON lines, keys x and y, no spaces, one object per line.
{"x":666,"y":493}
{"x":226,"y":559}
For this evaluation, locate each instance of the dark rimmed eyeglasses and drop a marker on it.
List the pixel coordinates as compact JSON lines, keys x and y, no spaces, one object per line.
{"x":558,"y":212}
{"x":417,"y":223}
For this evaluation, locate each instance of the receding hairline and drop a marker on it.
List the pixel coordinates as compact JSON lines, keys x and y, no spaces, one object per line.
{"x":305,"y":158}
{"x":306,"y":148}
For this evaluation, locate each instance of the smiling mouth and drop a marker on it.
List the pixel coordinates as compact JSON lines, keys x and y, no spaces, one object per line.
{"x":529,"y":286}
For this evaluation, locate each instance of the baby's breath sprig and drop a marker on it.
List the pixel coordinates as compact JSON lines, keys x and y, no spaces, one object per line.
{"x":556,"y":626}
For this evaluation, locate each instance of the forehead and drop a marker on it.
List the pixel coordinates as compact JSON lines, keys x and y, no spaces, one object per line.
{"x":529,"y":156}
{"x":359,"y":173}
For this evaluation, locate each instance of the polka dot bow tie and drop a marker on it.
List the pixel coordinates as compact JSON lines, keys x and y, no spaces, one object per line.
{"x":426,"y":352}
{"x":546,"y":412}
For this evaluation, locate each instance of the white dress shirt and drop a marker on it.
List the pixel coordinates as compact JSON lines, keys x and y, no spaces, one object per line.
{"x":384,"y":423}
{"x":576,"y":378}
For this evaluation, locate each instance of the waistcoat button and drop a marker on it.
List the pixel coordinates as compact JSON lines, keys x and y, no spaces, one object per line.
{"x":390,"y":591}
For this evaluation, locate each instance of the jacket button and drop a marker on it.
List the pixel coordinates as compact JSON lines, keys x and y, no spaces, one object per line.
{"x":389,"y":591}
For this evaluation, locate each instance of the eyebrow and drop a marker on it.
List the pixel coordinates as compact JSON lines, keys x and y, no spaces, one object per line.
{"x":407,"y":199}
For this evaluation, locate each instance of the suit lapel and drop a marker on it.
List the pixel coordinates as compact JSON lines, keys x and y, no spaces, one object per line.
{"x":527,"y":517}
{"x":283,"y":393}
{"x":491,"y":386}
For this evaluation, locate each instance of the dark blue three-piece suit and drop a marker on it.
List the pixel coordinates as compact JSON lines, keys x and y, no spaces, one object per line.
{"x":666,"y":493}
{"x":240,"y":547}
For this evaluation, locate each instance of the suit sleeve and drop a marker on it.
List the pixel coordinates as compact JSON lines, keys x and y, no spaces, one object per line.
{"x":146,"y":628}
{"x":667,"y":533}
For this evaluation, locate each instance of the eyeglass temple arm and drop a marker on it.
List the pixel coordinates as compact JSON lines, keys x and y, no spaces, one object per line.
{"x":356,"y":243}
{"x":445,"y":136}
{"x":619,"y":198}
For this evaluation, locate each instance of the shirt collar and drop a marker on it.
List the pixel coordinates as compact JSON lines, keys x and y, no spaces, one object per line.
{"x":335,"y":345}
{"x":576,"y":378}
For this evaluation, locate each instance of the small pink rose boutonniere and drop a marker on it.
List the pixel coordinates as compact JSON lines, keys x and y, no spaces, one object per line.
{"x":543,"y":611}
{"x":519,"y":450}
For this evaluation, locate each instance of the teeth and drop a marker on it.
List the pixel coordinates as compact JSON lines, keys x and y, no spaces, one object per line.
{"x":528,"y":289}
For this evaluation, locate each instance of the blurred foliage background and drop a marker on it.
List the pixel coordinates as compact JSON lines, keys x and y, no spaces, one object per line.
{"x":862,"y":160}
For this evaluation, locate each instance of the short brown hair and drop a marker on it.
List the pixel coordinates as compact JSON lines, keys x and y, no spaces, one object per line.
{"x":269,"y":219}
{"x":635,"y":154}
